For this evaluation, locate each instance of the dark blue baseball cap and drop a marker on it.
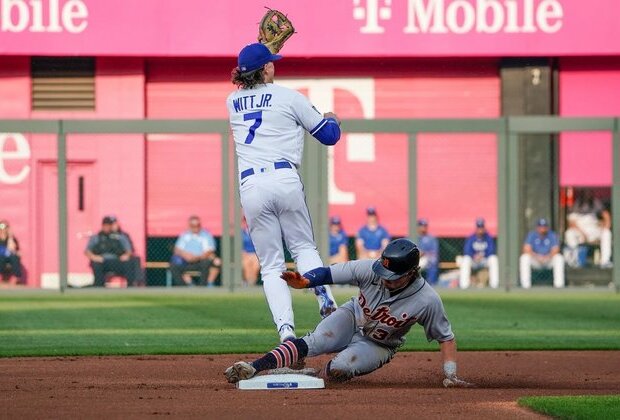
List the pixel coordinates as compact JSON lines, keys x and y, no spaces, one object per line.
{"x":335,"y":220}
{"x":422,"y":222}
{"x":542,"y":222}
{"x":480,"y":222}
{"x":254,"y":56}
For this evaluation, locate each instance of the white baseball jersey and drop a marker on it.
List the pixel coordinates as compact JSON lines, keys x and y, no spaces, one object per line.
{"x":268,"y":124}
{"x":280,"y":115}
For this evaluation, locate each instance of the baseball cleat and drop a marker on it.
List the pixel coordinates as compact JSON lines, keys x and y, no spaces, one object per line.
{"x":287,"y":332}
{"x":239,"y":371}
{"x":326,"y":304}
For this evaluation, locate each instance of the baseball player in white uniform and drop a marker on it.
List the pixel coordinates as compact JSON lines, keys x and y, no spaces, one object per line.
{"x":367,"y":331}
{"x":268,"y":124}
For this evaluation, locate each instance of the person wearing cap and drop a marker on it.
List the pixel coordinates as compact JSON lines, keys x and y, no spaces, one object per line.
{"x":541,"y":250}
{"x":269,"y":123}
{"x":134,"y":259}
{"x":479,"y":253}
{"x":366,"y":332}
{"x":429,"y":252}
{"x":110,"y":252}
{"x":372,"y":238}
{"x":10,"y":260}
{"x":338,"y":242}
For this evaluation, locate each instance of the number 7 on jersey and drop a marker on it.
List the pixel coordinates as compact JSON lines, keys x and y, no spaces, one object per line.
{"x":258,"y":119}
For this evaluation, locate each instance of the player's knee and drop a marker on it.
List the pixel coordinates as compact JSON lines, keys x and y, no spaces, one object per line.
{"x":336,"y":372}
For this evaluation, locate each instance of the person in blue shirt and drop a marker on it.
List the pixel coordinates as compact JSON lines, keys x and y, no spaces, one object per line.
{"x":249,"y":261}
{"x":338,"y":242}
{"x":479,"y":253}
{"x":541,"y":250}
{"x":372,"y":238}
{"x":429,"y":253}
{"x":194,"y":250}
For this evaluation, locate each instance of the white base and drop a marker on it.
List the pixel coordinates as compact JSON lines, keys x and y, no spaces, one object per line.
{"x":287,"y":381}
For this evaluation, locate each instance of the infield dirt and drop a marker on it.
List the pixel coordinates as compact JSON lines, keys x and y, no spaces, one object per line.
{"x":194,"y":387}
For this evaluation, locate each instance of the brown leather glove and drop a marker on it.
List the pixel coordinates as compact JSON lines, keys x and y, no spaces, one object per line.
{"x":295,"y":280}
{"x":274,"y":30}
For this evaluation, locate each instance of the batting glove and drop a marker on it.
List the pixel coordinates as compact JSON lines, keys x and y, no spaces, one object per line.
{"x":295,"y":280}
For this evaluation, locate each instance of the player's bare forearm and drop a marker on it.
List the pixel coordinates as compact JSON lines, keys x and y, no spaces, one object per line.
{"x":448,"y":351}
{"x":448,"y":356}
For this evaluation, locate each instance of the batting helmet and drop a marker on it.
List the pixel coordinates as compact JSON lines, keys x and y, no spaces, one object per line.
{"x":397,"y":259}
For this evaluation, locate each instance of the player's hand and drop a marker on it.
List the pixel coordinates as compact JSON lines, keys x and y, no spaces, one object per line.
{"x":455,"y":382}
{"x":331,"y":115}
{"x":295,"y":280}
{"x":97,"y":258}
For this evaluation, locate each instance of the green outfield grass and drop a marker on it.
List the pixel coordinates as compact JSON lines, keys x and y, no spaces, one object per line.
{"x":93,"y":323}
{"x":598,"y":407}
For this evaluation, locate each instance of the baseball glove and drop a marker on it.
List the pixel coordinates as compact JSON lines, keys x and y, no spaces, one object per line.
{"x":274,"y":29}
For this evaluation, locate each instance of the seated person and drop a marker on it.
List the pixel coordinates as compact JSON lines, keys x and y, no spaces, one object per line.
{"x":372,"y":238}
{"x":194,"y":250}
{"x":109,"y":252}
{"x":134,"y":259}
{"x":249,"y":260}
{"x":541,"y":250}
{"x":594,"y":220}
{"x":575,"y":252}
{"x":10,"y":262}
{"x":479,"y":253}
{"x":429,"y":253}
{"x":338,"y":242}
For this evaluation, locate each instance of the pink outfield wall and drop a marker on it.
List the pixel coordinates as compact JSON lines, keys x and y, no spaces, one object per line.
{"x":588,"y":87}
{"x":362,"y":28}
{"x":118,"y":164}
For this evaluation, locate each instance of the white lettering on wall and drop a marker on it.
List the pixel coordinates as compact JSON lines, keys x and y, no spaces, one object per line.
{"x":43,"y":16}
{"x":462,"y":16}
{"x":360,"y":146}
{"x":20,"y":151}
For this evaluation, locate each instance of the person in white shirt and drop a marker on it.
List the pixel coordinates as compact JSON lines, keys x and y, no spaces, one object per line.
{"x":268,"y":122}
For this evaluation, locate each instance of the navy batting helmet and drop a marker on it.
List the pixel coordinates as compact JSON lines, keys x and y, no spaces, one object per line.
{"x":397,"y":259}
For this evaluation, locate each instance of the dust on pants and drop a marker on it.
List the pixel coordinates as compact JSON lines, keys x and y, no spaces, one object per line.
{"x":357,"y":355}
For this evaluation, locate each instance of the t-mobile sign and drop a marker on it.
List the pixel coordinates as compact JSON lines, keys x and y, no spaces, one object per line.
{"x":358,"y":28}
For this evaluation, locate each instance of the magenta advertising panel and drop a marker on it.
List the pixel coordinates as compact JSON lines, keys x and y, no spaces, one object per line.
{"x":344,"y":28}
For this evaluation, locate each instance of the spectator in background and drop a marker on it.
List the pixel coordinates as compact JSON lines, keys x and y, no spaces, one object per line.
{"x":249,"y":260}
{"x":194,"y":251}
{"x":372,"y":238}
{"x":338,"y":242}
{"x":541,"y":250}
{"x":479,"y":253}
{"x":110,"y":252}
{"x":429,"y":253}
{"x":134,"y":260}
{"x":594,"y":220}
{"x":10,"y":262}
{"x":575,"y":252}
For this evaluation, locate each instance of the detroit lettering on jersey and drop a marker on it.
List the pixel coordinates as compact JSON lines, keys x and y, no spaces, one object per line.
{"x":382,"y":314}
{"x":252,"y":102}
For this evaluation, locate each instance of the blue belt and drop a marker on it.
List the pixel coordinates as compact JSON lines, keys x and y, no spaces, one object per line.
{"x":276,"y":165}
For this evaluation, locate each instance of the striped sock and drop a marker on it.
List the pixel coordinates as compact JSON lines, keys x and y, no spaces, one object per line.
{"x":285,"y":355}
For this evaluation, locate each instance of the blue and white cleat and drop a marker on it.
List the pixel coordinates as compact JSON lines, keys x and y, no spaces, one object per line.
{"x":287,"y":332}
{"x":327,"y":305}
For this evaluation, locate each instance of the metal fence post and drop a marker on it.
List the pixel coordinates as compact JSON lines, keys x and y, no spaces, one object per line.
{"x":226,"y":239}
{"x":412,"y":155}
{"x":513,"y":210}
{"x":62,"y":207}
{"x":502,"y":206}
{"x":615,"y":204}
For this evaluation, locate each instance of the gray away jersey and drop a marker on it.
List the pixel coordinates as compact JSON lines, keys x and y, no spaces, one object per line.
{"x":386,"y":319}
